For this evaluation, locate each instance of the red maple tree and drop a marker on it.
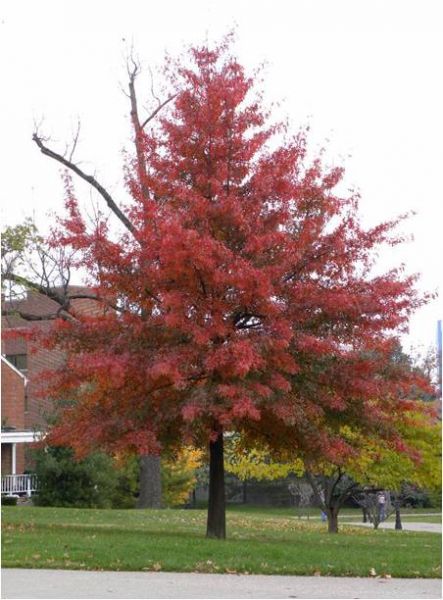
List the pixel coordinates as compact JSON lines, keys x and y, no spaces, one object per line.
{"x":240,"y":295}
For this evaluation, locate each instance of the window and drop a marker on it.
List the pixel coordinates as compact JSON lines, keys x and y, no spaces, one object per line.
{"x":20,"y":361}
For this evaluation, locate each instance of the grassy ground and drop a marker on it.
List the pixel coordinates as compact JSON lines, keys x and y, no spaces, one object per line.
{"x":173,"y":540}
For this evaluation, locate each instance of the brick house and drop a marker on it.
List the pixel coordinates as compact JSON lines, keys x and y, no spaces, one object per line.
{"x":25,"y":414}
{"x":13,"y":420}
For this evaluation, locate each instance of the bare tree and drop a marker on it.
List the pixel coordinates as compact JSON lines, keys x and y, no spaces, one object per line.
{"x":30,"y":263}
{"x":302,"y":494}
{"x":331,"y":492}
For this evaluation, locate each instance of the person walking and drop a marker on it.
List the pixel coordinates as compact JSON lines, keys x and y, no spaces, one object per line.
{"x":381,"y":506}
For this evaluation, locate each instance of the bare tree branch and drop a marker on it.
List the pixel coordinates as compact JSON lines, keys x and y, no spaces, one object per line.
{"x":347,"y":493}
{"x":89,"y":178}
{"x":63,"y":299}
{"x":138,"y":127}
{"x":317,"y":494}
{"x":50,"y":292}
{"x":141,"y":163}
{"x":75,"y":142}
{"x":133,"y":70}
{"x":153,"y":94}
{"x":157,"y":110}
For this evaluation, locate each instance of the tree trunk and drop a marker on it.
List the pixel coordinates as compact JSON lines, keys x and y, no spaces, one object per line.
{"x":332,"y":515}
{"x":216,"y":524}
{"x":398,"y":524}
{"x":150,"y":495}
{"x":365,"y":515}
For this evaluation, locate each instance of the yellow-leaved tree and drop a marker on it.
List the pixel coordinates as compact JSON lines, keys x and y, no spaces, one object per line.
{"x":373,"y":464}
{"x":380,"y":466}
{"x":179,"y":475}
{"x":257,"y":463}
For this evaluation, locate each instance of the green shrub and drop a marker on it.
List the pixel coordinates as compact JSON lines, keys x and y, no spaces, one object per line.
{"x":9,"y":500}
{"x":435,"y":499}
{"x":127,"y":483}
{"x":64,"y":481}
{"x":416,"y":497}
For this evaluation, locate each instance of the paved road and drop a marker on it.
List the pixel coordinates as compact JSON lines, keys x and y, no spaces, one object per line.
{"x":407,"y":525}
{"x":42,"y":583}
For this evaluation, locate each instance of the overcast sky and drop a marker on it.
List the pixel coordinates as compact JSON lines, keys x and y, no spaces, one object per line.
{"x":365,"y":74}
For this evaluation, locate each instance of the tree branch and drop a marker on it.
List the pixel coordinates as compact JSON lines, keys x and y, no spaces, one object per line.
{"x":75,"y":142}
{"x":315,"y":489}
{"x":90,"y":179}
{"x":41,"y":289}
{"x":334,"y":482}
{"x":141,"y":163}
{"x":347,"y":493}
{"x":157,"y":110}
{"x":201,"y":281}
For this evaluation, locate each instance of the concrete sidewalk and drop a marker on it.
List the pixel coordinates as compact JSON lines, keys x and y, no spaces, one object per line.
{"x":42,"y":583}
{"x":407,"y":525}
{"x":354,"y":516}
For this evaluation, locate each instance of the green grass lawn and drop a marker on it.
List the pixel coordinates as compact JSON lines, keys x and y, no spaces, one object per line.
{"x":259,"y":541}
{"x":424,"y":519}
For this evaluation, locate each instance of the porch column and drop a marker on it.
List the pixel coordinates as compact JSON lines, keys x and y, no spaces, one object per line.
{"x":14,"y":459}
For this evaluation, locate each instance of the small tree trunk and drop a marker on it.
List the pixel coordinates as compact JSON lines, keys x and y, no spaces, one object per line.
{"x":216,"y":524}
{"x":150,"y":495}
{"x":332,"y":515}
{"x":398,"y":524}
{"x":365,"y":515}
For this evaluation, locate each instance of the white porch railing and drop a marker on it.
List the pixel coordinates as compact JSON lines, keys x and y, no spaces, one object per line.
{"x":19,"y":484}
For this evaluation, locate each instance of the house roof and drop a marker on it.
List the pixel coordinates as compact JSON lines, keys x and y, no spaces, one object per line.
{"x":35,"y":304}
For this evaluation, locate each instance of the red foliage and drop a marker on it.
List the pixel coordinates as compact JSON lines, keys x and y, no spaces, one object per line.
{"x":245,"y":295}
